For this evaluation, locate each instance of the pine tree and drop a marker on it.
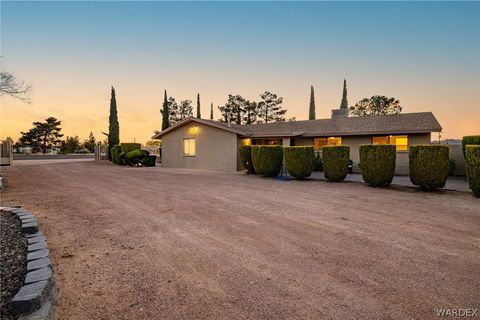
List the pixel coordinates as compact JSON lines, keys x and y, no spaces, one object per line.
{"x":211,"y":110}
{"x":344,"y":103}
{"x":199,"y":116}
{"x":311,"y":113}
{"x":270,"y":108}
{"x":113,"y":125}
{"x":165,"y":113}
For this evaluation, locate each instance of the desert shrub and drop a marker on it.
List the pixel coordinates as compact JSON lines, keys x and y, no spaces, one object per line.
{"x":472,"y":168}
{"x":335,"y":162}
{"x":428,"y":166}
{"x":127,"y":147}
{"x":452,"y":164}
{"x":318,"y":162}
{"x":152,"y":160}
{"x":300,"y":161}
{"x":378,"y":164}
{"x":137,"y":157}
{"x":115,"y":152}
{"x":122,"y":158}
{"x":246,"y":158}
{"x":470,"y":140}
{"x":267,"y":160}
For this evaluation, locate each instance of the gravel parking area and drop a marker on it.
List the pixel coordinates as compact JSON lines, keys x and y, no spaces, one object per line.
{"x":157,"y":243}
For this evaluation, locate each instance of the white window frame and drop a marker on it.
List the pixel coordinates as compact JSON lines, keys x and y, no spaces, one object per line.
{"x":189,"y":148}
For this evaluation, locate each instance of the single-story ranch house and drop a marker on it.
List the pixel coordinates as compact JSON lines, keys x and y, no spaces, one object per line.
{"x":208,"y":144}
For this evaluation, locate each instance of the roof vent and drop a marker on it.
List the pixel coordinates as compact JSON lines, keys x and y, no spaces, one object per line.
{"x":228,"y":121}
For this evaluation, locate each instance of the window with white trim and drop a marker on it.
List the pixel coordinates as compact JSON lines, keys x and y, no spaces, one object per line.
{"x":189,"y":147}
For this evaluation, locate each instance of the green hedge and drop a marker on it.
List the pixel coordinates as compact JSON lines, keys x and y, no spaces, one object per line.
{"x":267,"y":160}
{"x":122,"y":159}
{"x":428,"y":166}
{"x":470,"y":140}
{"x":127,"y":147}
{"x":246,"y":158}
{"x":300,"y":161}
{"x":138,"y":157}
{"x":472,"y":168}
{"x":335,"y":162}
{"x":377,"y":163}
{"x":115,"y":151}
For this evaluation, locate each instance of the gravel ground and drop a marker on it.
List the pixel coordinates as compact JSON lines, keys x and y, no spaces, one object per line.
{"x":13,"y":261}
{"x":157,"y":243}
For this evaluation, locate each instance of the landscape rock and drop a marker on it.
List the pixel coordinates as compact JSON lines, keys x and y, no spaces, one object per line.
{"x":37,"y":246}
{"x":36,"y":239}
{"x":46,"y":312}
{"x":30,"y":227}
{"x":39,"y":275}
{"x":30,"y":297}
{"x":37,"y":254}
{"x":38,"y":264}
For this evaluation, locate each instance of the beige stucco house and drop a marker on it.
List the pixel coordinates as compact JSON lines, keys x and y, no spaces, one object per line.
{"x":207,"y":144}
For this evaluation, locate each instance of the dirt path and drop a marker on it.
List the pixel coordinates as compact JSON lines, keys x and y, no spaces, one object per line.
{"x":153,"y":243}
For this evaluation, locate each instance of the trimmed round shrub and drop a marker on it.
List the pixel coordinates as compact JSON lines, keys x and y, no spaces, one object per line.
{"x":122,"y":158}
{"x":267,"y":160}
{"x":127,"y":147}
{"x":246,"y":158}
{"x":137,"y":157}
{"x":377,"y":163}
{"x":318,"y":162}
{"x":335,"y":162}
{"x":115,"y":152}
{"x":300,"y":161}
{"x":428,"y":166}
{"x":472,"y":168}
{"x":471,"y":141}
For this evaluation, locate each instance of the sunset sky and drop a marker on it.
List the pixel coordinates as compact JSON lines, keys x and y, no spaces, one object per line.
{"x":426,"y":54}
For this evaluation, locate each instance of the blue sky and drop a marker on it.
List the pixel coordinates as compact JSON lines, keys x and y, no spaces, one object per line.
{"x":425,"y":54}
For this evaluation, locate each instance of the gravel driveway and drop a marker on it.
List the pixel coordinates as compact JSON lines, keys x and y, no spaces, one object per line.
{"x":156,"y":243}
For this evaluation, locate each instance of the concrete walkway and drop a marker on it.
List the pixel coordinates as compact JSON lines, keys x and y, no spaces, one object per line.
{"x":453,"y":183}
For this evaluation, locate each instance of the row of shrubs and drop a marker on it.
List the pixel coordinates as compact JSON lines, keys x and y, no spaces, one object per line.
{"x":429,"y":164}
{"x":131,"y":154}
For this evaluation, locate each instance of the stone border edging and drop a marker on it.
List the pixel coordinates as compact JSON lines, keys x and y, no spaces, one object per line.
{"x":36,"y":298}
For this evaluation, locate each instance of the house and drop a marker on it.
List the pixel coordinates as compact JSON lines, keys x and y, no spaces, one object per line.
{"x":207,"y":144}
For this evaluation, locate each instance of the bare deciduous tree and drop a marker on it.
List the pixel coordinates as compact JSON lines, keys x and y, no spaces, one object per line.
{"x":11,"y":86}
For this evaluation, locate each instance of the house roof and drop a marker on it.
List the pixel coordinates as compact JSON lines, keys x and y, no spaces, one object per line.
{"x":216,"y":124}
{"x":420,"y":122}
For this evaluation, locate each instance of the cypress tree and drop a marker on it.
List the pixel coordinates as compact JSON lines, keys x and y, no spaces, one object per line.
{"x":211,"y":110}
{"x":198,"y":106}
{"x":344,"y":103}
{"x":311,"y":113}
{"x":165,"y":113}
{"x":113,"y":125}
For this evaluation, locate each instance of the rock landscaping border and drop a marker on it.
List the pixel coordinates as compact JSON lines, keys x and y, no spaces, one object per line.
{"x":36,"y":298}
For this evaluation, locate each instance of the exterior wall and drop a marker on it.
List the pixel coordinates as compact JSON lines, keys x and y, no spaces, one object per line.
{"x":215,"y":149}
{"x":456,"y":153}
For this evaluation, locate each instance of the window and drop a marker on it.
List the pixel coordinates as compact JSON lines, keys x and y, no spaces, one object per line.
{"x":246,"y":142}
{"x":401,"y":142}
{"x":331,"y":141}
{"x":189,"y":147}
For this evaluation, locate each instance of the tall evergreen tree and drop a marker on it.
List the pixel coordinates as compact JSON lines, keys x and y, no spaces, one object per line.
{"x":211,"y":110}
{"x":113,"y":125}
{"x":198,"y":106}
{"x":270,"y":108}
{"x":311,"y":112}
{"x":344,"y":103}
{"x":165,"y":113}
